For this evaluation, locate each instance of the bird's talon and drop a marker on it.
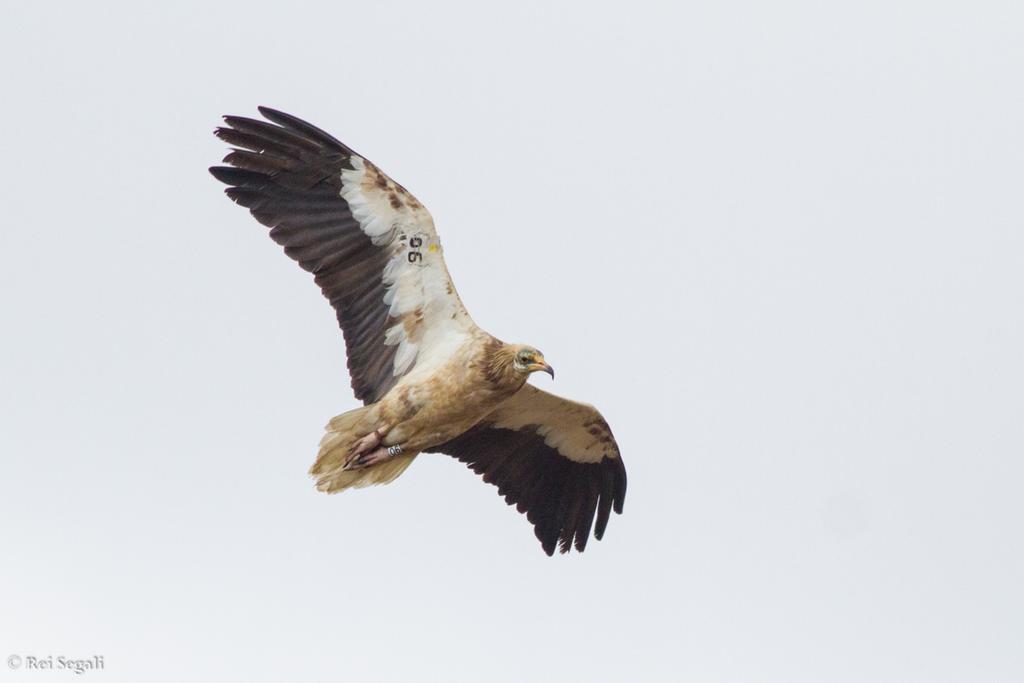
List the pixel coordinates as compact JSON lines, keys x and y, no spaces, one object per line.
{"x":367,"y":443}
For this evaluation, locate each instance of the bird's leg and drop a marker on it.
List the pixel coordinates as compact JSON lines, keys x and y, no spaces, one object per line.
{"x":372,"y":458}
{"x":366,"y":444}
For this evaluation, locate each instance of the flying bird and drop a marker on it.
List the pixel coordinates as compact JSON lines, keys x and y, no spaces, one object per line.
{"x":429,"y":378}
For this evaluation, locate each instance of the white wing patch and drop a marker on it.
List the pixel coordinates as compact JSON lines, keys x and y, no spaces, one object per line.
{"x":430,"y":320}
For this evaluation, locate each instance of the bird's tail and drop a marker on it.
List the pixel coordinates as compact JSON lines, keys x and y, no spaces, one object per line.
{"x":343,"y":431}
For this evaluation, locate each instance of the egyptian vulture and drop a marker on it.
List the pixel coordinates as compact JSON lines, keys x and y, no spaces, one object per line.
{"x":429,"y":378}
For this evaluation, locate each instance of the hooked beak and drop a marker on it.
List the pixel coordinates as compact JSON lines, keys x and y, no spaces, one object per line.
{"x":544,"y":367}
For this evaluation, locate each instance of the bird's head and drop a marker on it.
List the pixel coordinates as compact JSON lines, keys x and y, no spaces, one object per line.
{"x":528,"y":359}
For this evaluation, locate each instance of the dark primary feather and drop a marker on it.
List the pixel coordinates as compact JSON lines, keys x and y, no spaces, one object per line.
{"x":559,"y":496}
{"x":288,"y":174}
{"x":306,"y":129}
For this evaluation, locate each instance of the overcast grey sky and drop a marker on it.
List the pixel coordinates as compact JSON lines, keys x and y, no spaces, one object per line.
{"x":779,"y":245}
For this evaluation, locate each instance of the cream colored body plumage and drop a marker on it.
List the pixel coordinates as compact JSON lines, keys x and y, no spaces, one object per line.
{"x":432,"y":381}
{"x":421,"y":411}
{"x":430,"y":410}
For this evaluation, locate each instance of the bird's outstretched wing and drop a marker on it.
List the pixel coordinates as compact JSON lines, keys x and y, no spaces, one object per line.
{"x":554,"y":459}
{"x":369,"y":243}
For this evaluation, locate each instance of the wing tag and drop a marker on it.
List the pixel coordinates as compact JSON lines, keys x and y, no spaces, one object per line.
{"x":417,"y":244}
